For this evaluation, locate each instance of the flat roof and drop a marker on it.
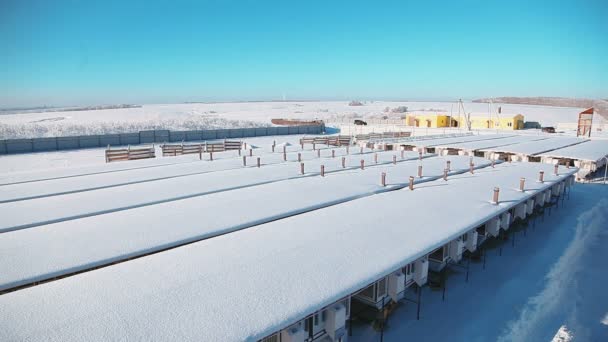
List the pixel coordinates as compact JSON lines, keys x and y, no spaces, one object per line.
{"x":253,"y":282}
{"x":76,"y":244}
{"x":452,"y":140}
{"x":198,"y":171}
{"x":592,"y":150}
{"x":537,"y":147}
{"x":40,"y":210}
{"x":480,"y":144}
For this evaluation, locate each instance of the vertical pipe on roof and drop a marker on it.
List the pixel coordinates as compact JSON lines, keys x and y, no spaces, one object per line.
{"x":411,"y":183}
{"x":522,"y":182}
{"x":495,"y":196}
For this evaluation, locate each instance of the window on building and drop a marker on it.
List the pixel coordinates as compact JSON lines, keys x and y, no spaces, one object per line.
{"x":465,"y":237}
{"x":323,"y":315}
{"x":413,"y":267}
{"x":368,"y":292}
{"x":273,"y":338}
{"x":316,"y":319}
{"x":381,"y":288}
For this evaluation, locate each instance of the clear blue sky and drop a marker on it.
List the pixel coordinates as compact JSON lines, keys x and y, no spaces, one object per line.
{"x":92,"y":52}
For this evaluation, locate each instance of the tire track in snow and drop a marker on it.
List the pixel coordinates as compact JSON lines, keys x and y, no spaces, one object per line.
{"x":561,"y":280}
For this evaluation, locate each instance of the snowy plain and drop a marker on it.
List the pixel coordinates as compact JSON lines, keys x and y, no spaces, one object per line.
{"x":193,"y":116}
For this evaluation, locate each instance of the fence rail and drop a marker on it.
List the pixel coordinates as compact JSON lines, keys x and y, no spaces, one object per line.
{"x":10,"y":146}
{"x":129,"y":153}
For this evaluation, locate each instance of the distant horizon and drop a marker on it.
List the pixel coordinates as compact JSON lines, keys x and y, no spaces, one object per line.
{"x":291,"y":101}
{"x":66,"y":53}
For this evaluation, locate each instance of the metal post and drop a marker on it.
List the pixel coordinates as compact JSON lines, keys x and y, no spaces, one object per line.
{"x":362,"y":164}
{"x":445,"y":174}
{"x":495,"y":196}
{"x":522,"y":182}
{"x":318,"y":153}
{"x":347,"y":149}
{"x":447,"y":166}
{"x":418,"y":306}
{"x":376,"y":158}
{"x":299,"y":157}
{"x":444,"y":279}
{"x":419,"y":171}
{"x":258,"y":161}
{"x":301,"y":168}
{"x":244,"y":161}
{"x":411,"y":183}
{"x":382,"y":322}
{"x":333,"y":153}
{"x":606,"y":170}
{"x":343,"y":162}
{"x":383,"y":179}
{"x":394,"y":160}
{"x":284,"y":156}
{"x":322,"y":170}
{"x":210,"y":155}
{"x":541,"y":177}
{"x":314,"y":146}
{"x":251,"y":152}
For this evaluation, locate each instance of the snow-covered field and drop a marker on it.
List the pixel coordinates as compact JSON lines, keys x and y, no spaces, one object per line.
{"x":234,"y":115}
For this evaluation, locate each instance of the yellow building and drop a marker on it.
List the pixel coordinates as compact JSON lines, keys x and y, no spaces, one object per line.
{"x":477,"y":122}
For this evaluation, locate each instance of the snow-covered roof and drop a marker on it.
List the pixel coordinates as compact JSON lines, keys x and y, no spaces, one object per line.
{"x":21,"y":214}
{"x":480,"y":144}
{"x":250,"y":283}
{"x":454,"y":140}
{"x":593,"y":150}
{"x":76,"y":244}
{"x":181,"y":173}
{"x":537,"y":147}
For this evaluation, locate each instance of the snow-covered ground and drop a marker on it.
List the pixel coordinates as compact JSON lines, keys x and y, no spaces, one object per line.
{"x":245,"y":114}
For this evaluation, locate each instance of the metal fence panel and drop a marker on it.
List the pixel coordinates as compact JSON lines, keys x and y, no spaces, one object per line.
{"x":129,"y":138}
{"x":109,"y":139}
{"x":261,"y":131}
{"x":177,"y":136}
{"x":87,"y":141}
{"x":194,"y":135}
{"x":282,"y":130}
{"x":221,"y":133}
{"x":161,"y":135}
{"x":235,"y":133}
{"x":68,"y":143}
{"x":2,"y":147}
{"x":19,"y":145}
{"x":44,"y":144}
{"x":210,"y":134}
{"x":146,"y":137}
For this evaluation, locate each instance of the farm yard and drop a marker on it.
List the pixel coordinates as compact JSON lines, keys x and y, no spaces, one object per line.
{"x":306,"y":237}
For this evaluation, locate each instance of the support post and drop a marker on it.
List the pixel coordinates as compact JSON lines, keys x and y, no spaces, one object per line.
{"x":411,"y":185}
{"x":322,"y":170}
{"x":244,"y":161}
{"x":394,"y":160}
{"x":258,"y":161}
{"x":343,"y":162}
{"x":383,"y":179}
{"x":362,"y":164}
{"x":302,"y":168}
